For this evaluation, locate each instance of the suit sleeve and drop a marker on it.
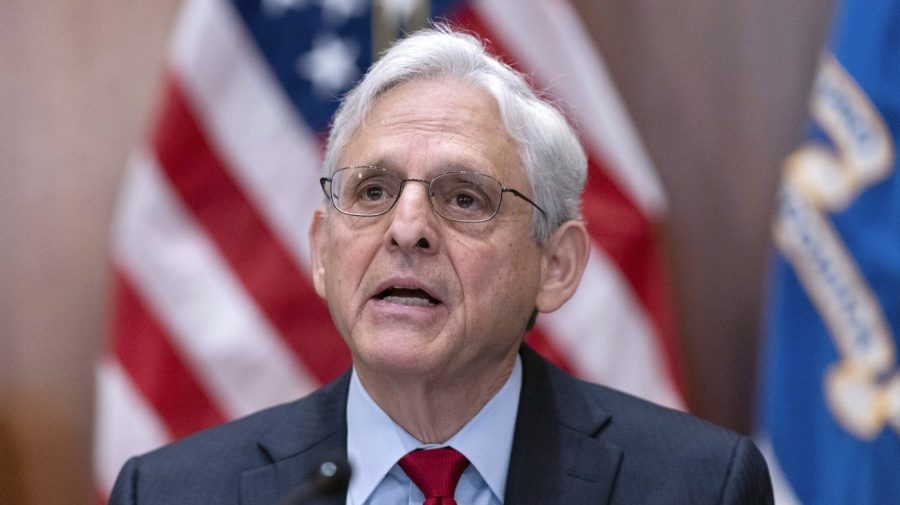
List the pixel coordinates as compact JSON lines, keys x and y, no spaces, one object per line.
{"x":747,"y":482}
{"x":125,"y":490}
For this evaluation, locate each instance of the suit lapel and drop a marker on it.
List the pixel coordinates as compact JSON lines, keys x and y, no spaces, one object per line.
{"x":557,"y":456}
{"x":314,"y":431}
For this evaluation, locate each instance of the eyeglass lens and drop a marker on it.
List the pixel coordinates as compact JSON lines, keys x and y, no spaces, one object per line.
{"x":458,"y":196}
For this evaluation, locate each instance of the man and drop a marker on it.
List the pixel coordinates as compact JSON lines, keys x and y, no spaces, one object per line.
{"x":452,"y":220}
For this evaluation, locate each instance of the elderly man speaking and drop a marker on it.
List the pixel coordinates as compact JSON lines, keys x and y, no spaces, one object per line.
{"x":451,"y":220}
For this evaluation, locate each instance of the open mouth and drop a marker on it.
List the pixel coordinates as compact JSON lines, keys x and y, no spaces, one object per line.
{"x":407,"y":296}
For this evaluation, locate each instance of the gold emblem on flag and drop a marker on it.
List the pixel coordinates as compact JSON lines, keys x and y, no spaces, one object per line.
{"x":863,"y":388}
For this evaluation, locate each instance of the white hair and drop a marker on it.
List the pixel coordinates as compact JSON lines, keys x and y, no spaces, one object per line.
{"x":549,"y":149}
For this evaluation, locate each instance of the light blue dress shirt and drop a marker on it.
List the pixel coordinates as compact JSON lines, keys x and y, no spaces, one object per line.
{"x":375,"y":443}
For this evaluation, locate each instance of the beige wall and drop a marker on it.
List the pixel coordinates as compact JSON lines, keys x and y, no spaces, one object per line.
{"x":78,"y":82}
{"x":715,"y":86}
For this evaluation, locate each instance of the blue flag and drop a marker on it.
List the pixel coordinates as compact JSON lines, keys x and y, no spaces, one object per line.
{"x":831,"y":383}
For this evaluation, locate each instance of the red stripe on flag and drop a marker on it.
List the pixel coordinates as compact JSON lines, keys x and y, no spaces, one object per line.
{"x":622,"y":230}
{"x":145,"y":351}
{"x":615,"y":224}
{"x":538,"y":341}
{"x":468,"y":19}
{"x":256,"y":255}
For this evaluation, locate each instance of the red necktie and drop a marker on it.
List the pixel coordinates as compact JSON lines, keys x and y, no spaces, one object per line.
{"x":436,"y":472}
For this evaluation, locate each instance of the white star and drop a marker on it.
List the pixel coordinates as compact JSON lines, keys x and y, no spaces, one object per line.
{"x":331,"y":64}
{"x":339,"y":11}
{"x":276,"y":8}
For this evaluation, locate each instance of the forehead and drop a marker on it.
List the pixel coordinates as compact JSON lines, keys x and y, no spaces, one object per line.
{"x":434,"y":125}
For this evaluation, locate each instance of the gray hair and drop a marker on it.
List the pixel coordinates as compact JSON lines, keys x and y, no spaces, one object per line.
{"x":551,"y":154}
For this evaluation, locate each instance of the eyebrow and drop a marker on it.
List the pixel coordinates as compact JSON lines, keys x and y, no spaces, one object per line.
{"x":388,"y":164}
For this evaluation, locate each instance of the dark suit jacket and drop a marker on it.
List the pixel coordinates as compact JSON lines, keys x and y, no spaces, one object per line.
{"x":575,"y":443}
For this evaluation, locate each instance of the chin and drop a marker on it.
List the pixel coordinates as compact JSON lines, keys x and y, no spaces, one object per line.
{"x":397,"y":356}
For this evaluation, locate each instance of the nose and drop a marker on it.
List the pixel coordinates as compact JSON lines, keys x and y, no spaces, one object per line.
{"x":412,"y":220}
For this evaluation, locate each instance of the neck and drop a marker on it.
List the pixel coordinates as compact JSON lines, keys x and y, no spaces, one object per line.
{"x":434,"y":409}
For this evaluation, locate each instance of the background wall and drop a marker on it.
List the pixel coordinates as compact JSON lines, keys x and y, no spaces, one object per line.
{"x":718,"y":90}
{"x":716,"y":87}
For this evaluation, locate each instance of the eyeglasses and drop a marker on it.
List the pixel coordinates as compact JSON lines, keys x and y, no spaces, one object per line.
{"x":465,"y":197}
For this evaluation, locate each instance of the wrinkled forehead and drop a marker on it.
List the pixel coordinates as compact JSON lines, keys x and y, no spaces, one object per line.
{"x":445,"y":123}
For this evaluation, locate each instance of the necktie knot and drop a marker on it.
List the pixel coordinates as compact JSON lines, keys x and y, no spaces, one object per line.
{"x":436,"y":472}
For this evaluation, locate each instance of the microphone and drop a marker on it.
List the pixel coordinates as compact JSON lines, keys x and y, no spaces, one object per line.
{"x":329,"y":479}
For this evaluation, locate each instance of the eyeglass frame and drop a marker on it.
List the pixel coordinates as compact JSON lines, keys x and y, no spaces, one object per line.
{"x":503,"y":189}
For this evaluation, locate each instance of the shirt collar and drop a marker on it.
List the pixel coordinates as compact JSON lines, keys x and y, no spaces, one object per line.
{"x":375,"y":443}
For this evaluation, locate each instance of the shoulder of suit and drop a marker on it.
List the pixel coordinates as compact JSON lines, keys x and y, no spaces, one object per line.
{"x":639,"y":415}
{"x":220,"y":443}
{"x":627,"y":418}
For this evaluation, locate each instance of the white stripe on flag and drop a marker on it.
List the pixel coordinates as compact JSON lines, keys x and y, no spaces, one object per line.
{"x":273,"y":155}
{"x":241,"y":360}
{"x":606,"y":336}
{"x":125,"y":425}
{"x":563,"y":59}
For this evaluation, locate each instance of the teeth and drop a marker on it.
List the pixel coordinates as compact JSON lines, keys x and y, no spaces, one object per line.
{"x":407,"y":300}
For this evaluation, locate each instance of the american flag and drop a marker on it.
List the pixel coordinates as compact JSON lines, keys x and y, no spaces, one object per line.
{"x":214,"y":314}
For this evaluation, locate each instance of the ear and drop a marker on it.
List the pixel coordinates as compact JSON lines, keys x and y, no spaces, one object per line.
{"x":318,"y":243}
{"x":565,"y":257}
